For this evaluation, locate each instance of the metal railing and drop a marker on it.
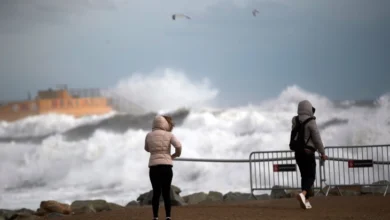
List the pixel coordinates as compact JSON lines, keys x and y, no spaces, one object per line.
{"x":277,"y":169}
{"x":213,"y":160}
{"x":347,"y":166}
{"x":362,"y":166}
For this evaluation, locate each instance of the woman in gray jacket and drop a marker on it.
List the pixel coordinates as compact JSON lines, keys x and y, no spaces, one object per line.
{"x":304,"y":152}
{"x":158,"y":143}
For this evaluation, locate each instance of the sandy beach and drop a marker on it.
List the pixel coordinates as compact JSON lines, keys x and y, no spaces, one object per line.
{"x":335,"y":207}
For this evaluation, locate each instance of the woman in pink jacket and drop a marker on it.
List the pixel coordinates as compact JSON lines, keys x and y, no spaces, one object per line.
{"x":158,"y":143}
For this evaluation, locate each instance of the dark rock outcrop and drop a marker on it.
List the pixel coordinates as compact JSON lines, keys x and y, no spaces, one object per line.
{"x":88,"y":206}
{"x":176,"y":199}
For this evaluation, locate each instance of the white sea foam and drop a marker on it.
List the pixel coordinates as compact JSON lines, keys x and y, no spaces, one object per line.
{"x":113,"y":166}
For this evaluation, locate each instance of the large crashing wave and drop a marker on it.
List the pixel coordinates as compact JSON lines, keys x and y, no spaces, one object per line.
{"x":63,"y":158}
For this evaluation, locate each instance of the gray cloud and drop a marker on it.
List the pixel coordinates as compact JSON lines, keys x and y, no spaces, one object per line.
{"x":19,"y":15}
{"x":28,"y":13}
{"x":38,"y":37}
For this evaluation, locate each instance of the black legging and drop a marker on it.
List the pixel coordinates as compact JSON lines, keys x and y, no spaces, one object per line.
{"x":161,"y":179}
{"x":307,"y":167}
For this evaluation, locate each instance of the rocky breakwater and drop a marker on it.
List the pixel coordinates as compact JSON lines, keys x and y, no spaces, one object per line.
{"x":53,"y":209}
{"x":379,"y":188}
{"x":145,"y":199}
{"x":277,"y":192}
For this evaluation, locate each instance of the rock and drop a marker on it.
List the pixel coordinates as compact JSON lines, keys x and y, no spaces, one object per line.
{"x":214,"y":196}
{"x":25,"y":211}
{"x":279,"y":192}
{"x":175,"y":189}
{"x":236,"y":196}
{"x":54,"y":215}
{"x":114,"y":206}
{"x":292,"y":193}
{"x":344,"y":190}
{"x":6,"y":214}
{"x":24,"y":216}
{"x":15,"y":214}
{"x":176,"y":200}
{"x":195,"y":198}
{"x":54,"y":206}
{"x":90,"y":206}
{"x":356,"y":190}
{"x":132,"y":203}
{"x":41,"y":212}
{"x":146,"y":198}
{"x":319,"y":192}
{"x":350,"y":193}
{"x":84,"y":209}
{"x":379,"y":189}
{"x":263,"y":197}
{"x":332,"y":191}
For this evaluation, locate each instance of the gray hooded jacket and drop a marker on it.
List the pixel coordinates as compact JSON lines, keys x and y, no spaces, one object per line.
{"x":305,"y":110}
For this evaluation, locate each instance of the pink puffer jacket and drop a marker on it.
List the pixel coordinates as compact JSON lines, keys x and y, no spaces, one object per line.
{"x":158,"y":143}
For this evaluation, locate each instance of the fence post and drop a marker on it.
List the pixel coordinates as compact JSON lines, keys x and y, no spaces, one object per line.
{"x":250,"y":176}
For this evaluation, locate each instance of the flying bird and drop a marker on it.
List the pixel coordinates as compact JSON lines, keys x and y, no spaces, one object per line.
{"x":174,"y":16}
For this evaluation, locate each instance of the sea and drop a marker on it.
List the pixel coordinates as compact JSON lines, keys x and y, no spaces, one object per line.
{"x":59,"y":157}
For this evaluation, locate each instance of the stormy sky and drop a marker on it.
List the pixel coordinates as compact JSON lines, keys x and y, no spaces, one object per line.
{"x":338,"y":48}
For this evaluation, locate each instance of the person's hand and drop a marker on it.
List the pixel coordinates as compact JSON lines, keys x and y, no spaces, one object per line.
{"x":324,"y":157}
{"x":173,"y":156}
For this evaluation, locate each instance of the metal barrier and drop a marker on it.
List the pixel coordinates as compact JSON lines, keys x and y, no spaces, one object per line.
{"x":347,"y":166}
{"x":212,"y":160}
{"x":278,"y":168}
{"x":358,"y":166}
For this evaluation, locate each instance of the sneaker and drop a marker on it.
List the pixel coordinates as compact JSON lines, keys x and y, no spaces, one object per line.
{"x":308,"y":205}
{"x":301,"y":199}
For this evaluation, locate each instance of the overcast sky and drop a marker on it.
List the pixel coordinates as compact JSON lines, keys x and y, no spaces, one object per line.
{"x":337,"y":48}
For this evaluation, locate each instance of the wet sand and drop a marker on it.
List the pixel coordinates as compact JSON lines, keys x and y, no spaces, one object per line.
{"x":332,"y":207}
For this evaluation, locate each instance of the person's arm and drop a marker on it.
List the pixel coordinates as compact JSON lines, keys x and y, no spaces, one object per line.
{"x":146,"y":144}
{"x":293,"y":122}
{"x":316,"y":137}
{"x":177,"y":145}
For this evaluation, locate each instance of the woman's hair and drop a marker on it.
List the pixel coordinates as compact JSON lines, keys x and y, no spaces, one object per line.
{"x":170,"y":122}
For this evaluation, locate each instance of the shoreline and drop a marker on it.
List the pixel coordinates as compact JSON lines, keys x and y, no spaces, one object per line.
{"x":333,"y":207}
{"x":51,"y":207}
